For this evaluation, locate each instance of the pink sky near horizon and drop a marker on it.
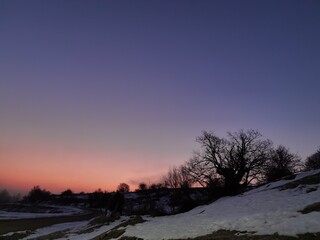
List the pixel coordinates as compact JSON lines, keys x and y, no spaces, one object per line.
{"x":57,"y":169}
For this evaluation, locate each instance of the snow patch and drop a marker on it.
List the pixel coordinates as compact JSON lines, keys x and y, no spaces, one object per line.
{"x":56,"y":228}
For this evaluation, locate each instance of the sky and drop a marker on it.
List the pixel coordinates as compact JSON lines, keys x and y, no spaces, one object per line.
{"x":95,"y":93}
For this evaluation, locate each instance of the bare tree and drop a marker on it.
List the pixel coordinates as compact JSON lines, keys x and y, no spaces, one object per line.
{"x":199,"y":171}
{"x":281,"y":163}
{"x":238,"y":159}
{"x":177,"y":177}
{"x":313,"y":161}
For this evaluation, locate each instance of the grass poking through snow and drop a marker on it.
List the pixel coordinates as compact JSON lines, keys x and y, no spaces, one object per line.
{"x":315,"y":207}
{"x":118,"y":231}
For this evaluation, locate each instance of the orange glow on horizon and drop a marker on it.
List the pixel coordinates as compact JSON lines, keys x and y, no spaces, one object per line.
{"x":56,"y":170}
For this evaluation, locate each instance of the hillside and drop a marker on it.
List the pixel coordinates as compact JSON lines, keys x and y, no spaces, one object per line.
{"x":286,"y":207}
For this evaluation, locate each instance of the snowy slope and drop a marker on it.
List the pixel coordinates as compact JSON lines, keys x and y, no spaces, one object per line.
{"x":265,"y":210}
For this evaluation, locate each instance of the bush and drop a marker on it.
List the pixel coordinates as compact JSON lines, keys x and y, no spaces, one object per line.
{"x":282,"y":163}
{"x":37,"y":195}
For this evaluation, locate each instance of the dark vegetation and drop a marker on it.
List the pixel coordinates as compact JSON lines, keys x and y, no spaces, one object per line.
{"x":117,"y":232}
{"x":16,"y":236}
{"x":37,"y":195}
{"x":281,"y":164}
{"x":110,"y":234}
{"x":309,"y":180}
{"x":315,"y":207}
{"x":6,"y":197}
{"x":227,"y":166}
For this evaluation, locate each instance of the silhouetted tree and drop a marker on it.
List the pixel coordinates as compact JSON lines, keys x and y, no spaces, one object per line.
{"x":313,"y":161}
{"x":67,"y":192}
{"x":177,"y":177}
{"x":37,"y":194}
{"x":67,"y":196}
{"x":281,"y":163}
{"x":200,"y":172}
{"x":238,"y":160}
{"x":123,"y":188}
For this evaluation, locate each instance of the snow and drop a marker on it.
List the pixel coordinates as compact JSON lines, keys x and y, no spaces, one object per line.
{"x":71,"y":229}
{"x":74,"y":236}
{"x":62,"y":211}
{"x":131,"y":195}
{"x":11,"y":233}
{"x":265,"y":210}
{"x":283,"y":182}
{"x":55,"y":228}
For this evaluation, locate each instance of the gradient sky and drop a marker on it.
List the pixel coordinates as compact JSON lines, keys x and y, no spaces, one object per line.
{"x":94,"y":93}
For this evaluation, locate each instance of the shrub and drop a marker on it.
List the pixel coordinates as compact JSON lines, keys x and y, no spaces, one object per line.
{"x":313,"y":161}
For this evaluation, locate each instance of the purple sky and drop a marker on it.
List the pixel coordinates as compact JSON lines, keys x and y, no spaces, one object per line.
{"x":95,"y":87}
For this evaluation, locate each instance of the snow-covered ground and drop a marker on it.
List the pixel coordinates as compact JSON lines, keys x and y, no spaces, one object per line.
{"x":72,"y":229}
{"x":59,"y":211}
{"x":57,"y":227}
{"x":98,"y":231}
{"x":265,"y":210}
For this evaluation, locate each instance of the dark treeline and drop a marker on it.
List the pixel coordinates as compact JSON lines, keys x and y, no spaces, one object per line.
{"x":229,"y":165}
{"x":6,"y":197}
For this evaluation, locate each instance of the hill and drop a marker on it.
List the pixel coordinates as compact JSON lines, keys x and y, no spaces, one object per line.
{"x":287,"y":207}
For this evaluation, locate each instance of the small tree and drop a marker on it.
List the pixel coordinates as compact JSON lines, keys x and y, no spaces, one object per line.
{"x":281,"y":163}
{"x":142,"y":187}
{"x":177,"y":177}
{"x":123,"y":188}
{"x":313,"y":161}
